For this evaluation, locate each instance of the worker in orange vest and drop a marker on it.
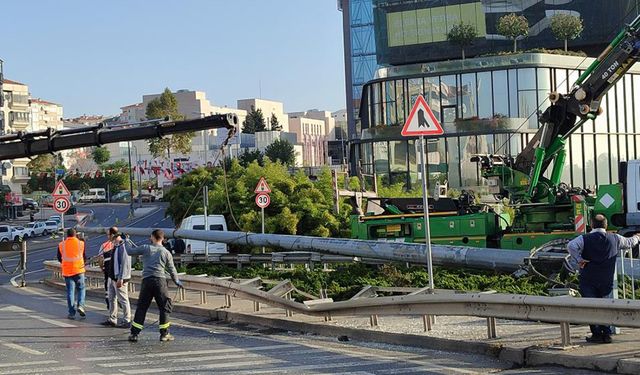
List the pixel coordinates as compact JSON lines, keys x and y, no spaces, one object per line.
{"x":71,"y":255}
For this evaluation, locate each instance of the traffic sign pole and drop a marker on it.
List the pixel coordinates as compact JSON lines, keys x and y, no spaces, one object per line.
{"x":262,"y":226}
{"x":425,"y":203}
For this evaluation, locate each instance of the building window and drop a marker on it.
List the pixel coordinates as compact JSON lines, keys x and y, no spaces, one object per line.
{"x":20,"y":172}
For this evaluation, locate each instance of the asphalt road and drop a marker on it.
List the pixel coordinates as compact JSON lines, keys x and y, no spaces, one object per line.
{"x":36,"y":337}
{"x":106,"y":215}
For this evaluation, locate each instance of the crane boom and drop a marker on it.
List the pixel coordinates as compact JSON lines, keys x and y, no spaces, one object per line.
{"x":522,"y":179}
{"x":19,"y":145}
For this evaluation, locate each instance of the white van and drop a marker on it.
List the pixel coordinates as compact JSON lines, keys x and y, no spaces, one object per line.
{"x":94,"y":195}
{"x":196,"y":222}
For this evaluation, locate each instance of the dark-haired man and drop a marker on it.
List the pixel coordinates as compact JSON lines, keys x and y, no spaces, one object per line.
{"x":595,"y":254}
{"x":155,"y":259}
{"x":71,"y":256}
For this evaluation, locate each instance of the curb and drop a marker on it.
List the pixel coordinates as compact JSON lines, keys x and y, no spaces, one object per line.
{"x":519,"y":357}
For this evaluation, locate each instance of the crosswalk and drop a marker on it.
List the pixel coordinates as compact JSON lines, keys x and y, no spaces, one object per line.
{"x":263,"y":359}
{"x":47,"y":343}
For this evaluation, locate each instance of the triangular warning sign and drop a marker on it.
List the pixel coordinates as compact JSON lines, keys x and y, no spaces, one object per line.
{"x":262,"y":186}
{"x":421,"y":121}
{"x":61,"y":190}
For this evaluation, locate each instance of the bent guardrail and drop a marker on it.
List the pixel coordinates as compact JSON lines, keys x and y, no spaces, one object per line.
{"x":561,"y":310}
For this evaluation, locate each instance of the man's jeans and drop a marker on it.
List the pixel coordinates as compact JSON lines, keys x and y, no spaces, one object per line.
{"x":75,"y":284}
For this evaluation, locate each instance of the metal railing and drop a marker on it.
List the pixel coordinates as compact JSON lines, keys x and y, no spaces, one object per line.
{"x":561,"y":310}
{"x":309,"y":259}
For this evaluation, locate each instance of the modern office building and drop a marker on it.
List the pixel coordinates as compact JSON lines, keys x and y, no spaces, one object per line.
{"x":487,"y":104}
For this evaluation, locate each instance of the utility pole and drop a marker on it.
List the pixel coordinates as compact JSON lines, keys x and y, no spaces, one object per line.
{"x":130,"y":181}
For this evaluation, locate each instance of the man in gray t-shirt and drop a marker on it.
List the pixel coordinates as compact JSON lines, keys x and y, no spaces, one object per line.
{"x":155,"y":259}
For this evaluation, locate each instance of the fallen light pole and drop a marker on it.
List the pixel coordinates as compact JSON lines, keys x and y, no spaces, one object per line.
{"x":503,"y":260}
{"x":443,"y":255}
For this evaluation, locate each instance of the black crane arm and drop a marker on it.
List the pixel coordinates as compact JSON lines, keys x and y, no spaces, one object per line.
{"x":20,"y":145}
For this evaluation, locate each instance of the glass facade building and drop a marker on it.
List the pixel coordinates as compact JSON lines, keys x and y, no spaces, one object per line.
{"x":490,"y":106}
{"x":396,"y":50}
{"x":359,"y":54}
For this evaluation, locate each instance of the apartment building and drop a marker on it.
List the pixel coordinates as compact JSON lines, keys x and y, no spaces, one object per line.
{"x":14,"y":118}
{"x":45,"y":114}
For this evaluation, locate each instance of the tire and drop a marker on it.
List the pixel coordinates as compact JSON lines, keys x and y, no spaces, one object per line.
{"x":16,"y":239}
{"x":4,"y":240}
{"x":45,"y":233}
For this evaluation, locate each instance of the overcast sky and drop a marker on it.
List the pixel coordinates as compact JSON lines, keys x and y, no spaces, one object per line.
{"x":95,"y":57}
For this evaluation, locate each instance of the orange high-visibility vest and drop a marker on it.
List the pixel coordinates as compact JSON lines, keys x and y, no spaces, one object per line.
{"x":72,"y":254}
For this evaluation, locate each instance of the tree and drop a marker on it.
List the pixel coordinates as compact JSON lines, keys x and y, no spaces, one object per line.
{"x":166,"y":105}
{"x":44,"y":163}
{"x":101,"y":155}
{"x":249,"y":157}
{"x":565,"y":27}
{"x":275,"y":125}
{"x":462,"y":35}
{"x":298,"y":205}
{"x":513,"y":27}
{"x":281,"y":150}
{"x":254,"y":122}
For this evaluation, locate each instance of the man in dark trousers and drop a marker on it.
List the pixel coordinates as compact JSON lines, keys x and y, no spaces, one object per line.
{"x":595,"y":254}
{"x":155,"y":259}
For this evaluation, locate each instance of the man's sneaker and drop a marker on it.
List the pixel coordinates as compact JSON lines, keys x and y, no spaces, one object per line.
{"x":124,"y":325}
{"x":81,"y":311}
{"x":606,"y":339}
{"x":167,"y":337}
{"x":595,"y":339}
{"x":108,"y":323}
{"x":133,"y":338}
{"x":71,"y":317}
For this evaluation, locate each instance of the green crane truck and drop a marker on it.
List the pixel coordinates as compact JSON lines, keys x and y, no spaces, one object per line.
{"x":542,"y":209}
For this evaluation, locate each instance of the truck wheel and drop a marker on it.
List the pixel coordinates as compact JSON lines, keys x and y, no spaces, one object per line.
{"x":4,"y":240}
{"x":45,"y":233}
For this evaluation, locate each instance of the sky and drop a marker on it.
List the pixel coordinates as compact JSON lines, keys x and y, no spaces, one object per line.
{"x":94,"y":57}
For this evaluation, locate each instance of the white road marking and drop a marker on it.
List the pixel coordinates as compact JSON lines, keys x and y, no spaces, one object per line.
{"x":389,"y":356}
{"x":15,"y":283}
{"x":39,"y":370}
{"x":202,"y":367}
{"x":33,"y":363}
{"x":189,"y":353}
{"x":51,"y":321}
{"x":14,"y":309}
{"x":225,"y":356}
{"x":21,"y":348}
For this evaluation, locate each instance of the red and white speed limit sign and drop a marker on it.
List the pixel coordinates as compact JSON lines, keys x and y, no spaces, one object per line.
{"x":263,"y":200}
{"x":61,"y":204}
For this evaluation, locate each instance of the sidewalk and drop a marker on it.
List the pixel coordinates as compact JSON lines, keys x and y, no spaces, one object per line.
{"x":524,"y":344}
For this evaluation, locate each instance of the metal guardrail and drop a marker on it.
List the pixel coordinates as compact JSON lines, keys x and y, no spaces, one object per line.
{"x":294,"y":257}
{"x":562,"y":310}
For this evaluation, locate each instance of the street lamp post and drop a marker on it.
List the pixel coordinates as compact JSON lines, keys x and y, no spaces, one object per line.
{"x":130,"y":180}
{"x":138,"y":163}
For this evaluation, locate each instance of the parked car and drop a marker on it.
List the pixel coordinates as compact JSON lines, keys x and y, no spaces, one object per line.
{"x":123,"y":196}
{"x":6,"y":233}
{"x":20,"y":233}
{"x":52,"y":226}
{"x":47,"y":201}
{"x":147,"y":197}
{"x":37,"y":228}
{"x":94,"y":195}
{"x":29,"y":203}
{"x":57,"y":218}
